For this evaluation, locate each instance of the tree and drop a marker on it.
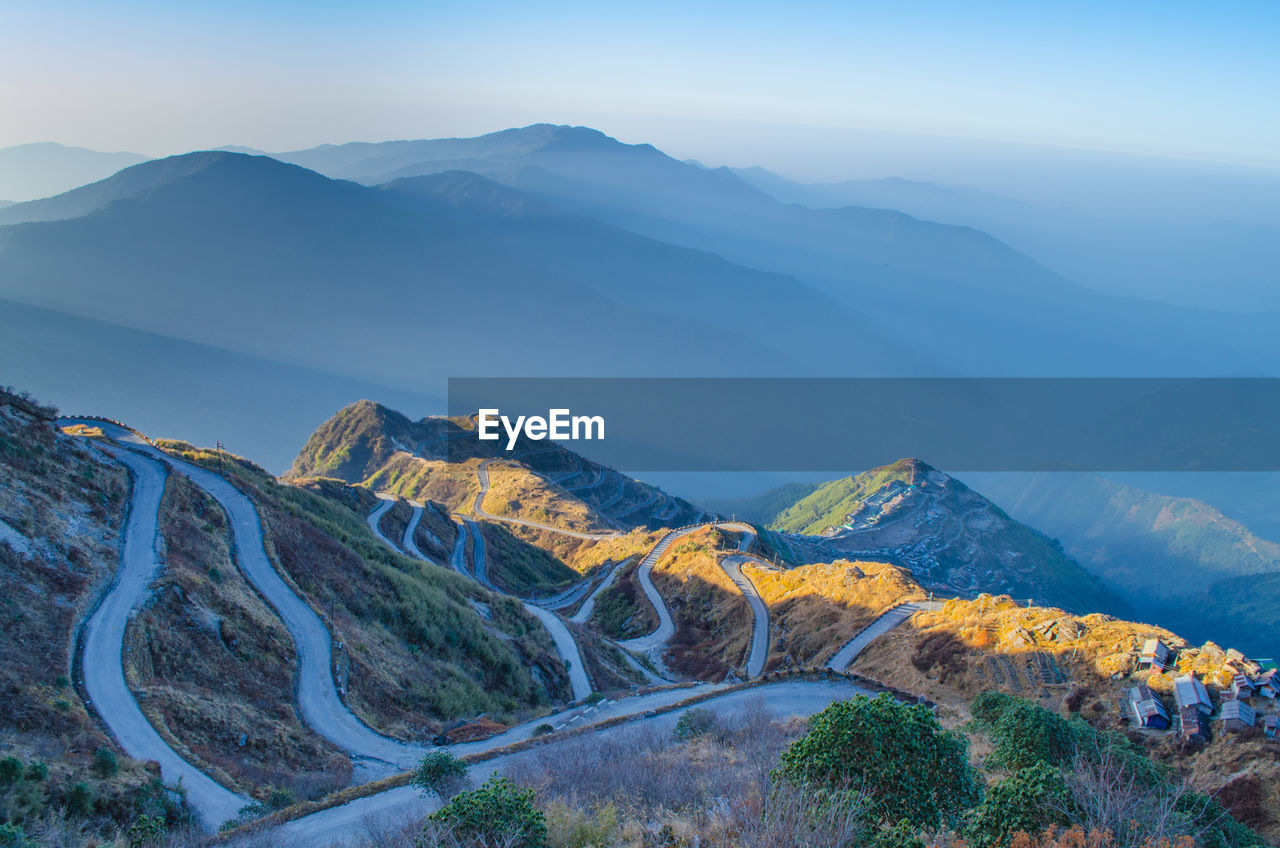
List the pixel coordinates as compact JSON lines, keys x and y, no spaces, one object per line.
{"x":440,"y":772}
{"x":908,"y":766}
{"x":497,"y":812}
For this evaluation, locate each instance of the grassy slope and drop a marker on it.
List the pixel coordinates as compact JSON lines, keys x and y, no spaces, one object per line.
{"x":713,"y":620}
{"x":353,"y":444}
{"x":420,"y":653}
{"x":622,"y":611}
{"x":828,"y":504}
{"x":213,"y":658}
{"x":69,"y":502}
{"x":763,"y":508}
{"x":947,"y":656}
{"x":815,"y":609}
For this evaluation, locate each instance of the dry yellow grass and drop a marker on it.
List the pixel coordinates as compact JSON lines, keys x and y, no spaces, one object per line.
{"x":713,"y":620}
{"x":517,"y":492}
{"x":450,"y":483}
{"x":815,"y":609}
{"x":584,"y":555}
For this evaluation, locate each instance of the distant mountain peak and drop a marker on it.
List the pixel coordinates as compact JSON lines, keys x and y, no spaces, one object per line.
{"x":136,"y":180}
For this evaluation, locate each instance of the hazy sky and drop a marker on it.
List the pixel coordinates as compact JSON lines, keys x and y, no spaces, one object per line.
{"x":1187,"y":79}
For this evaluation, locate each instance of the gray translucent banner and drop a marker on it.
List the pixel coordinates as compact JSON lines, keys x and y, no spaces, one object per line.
{"x":820,"y":424}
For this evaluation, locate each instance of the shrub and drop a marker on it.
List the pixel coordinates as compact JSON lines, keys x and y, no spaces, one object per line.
{"x":908,"y":766}
{"x":1025,"y":734}
{"x":543,"y":729}
{"x":695,"y":722}
{"x":146,"y":830}
{"x":12,"y":835}
{"x":105,"y":764}
{"x":1028,"y":801}
{"x":79,"y":799}
{"x":571,"y":828}
{"x":439,"y":772}
{"x":10,"y":771}
{"x":497,"y":811}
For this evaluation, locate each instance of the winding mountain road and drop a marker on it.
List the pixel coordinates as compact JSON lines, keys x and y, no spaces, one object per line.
{"x":102,"y":660}
{"x":666,"y":626}
{"x":563,"y":640}
{"x":317,"y":694}
{"x":759,"y":612}
{"x":882,"y":625}
{"x":374,"y":518}
{"x":589,"y":605}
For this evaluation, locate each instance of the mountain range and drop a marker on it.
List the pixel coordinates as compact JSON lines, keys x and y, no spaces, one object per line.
{"x":1159,"y":260}
{"x":29,"y":171}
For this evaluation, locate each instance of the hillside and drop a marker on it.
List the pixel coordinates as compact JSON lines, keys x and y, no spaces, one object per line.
{"x":209,"y":661}
{"x":951,"y":538}
{"x":440,"y":458}
{"x":1121,"y":533}
{"x":763,"y":508}
{"x":62,"y":507}
{"x":28,"y":171}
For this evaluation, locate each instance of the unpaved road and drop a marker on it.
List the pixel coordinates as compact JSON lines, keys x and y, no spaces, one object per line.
{"x":103,"y":657}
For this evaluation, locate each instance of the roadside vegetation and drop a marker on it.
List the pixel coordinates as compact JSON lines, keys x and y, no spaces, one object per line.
{"x":864,"y":773}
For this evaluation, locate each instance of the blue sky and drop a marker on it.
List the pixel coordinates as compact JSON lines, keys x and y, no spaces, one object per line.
{"x":1180,"y":79}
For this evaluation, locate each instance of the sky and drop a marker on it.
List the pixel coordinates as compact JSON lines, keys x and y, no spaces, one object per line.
{"x":721,"y":82}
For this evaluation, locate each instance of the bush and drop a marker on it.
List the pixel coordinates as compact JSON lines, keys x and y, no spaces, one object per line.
{"x":440,"y":772}
{"x":908,"y":766}
{"x":1025,"y":734}
{"x":146,"y":830}
{"x":12,"y":836}
{"x":105,"y":764}
{"x":79,"y":799}
{"x":1028,"y":801}
{"x":695,"y":722}
{"x":499,"y":811}
{"x":10,"y":771}
{"x":543,"y":729}
{"x":571,"y":828}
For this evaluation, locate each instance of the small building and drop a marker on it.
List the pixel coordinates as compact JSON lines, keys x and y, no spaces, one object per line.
{"x":1146,"y":708}
{"x":1190,"y":692}
{"x":1236,"y":716}
{"x":1271,"y":726}
{"x":1268,"y":684}
{"x":1241,"y":687}
{"x":1155,"y":655}
{"x":1193,"y":726}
